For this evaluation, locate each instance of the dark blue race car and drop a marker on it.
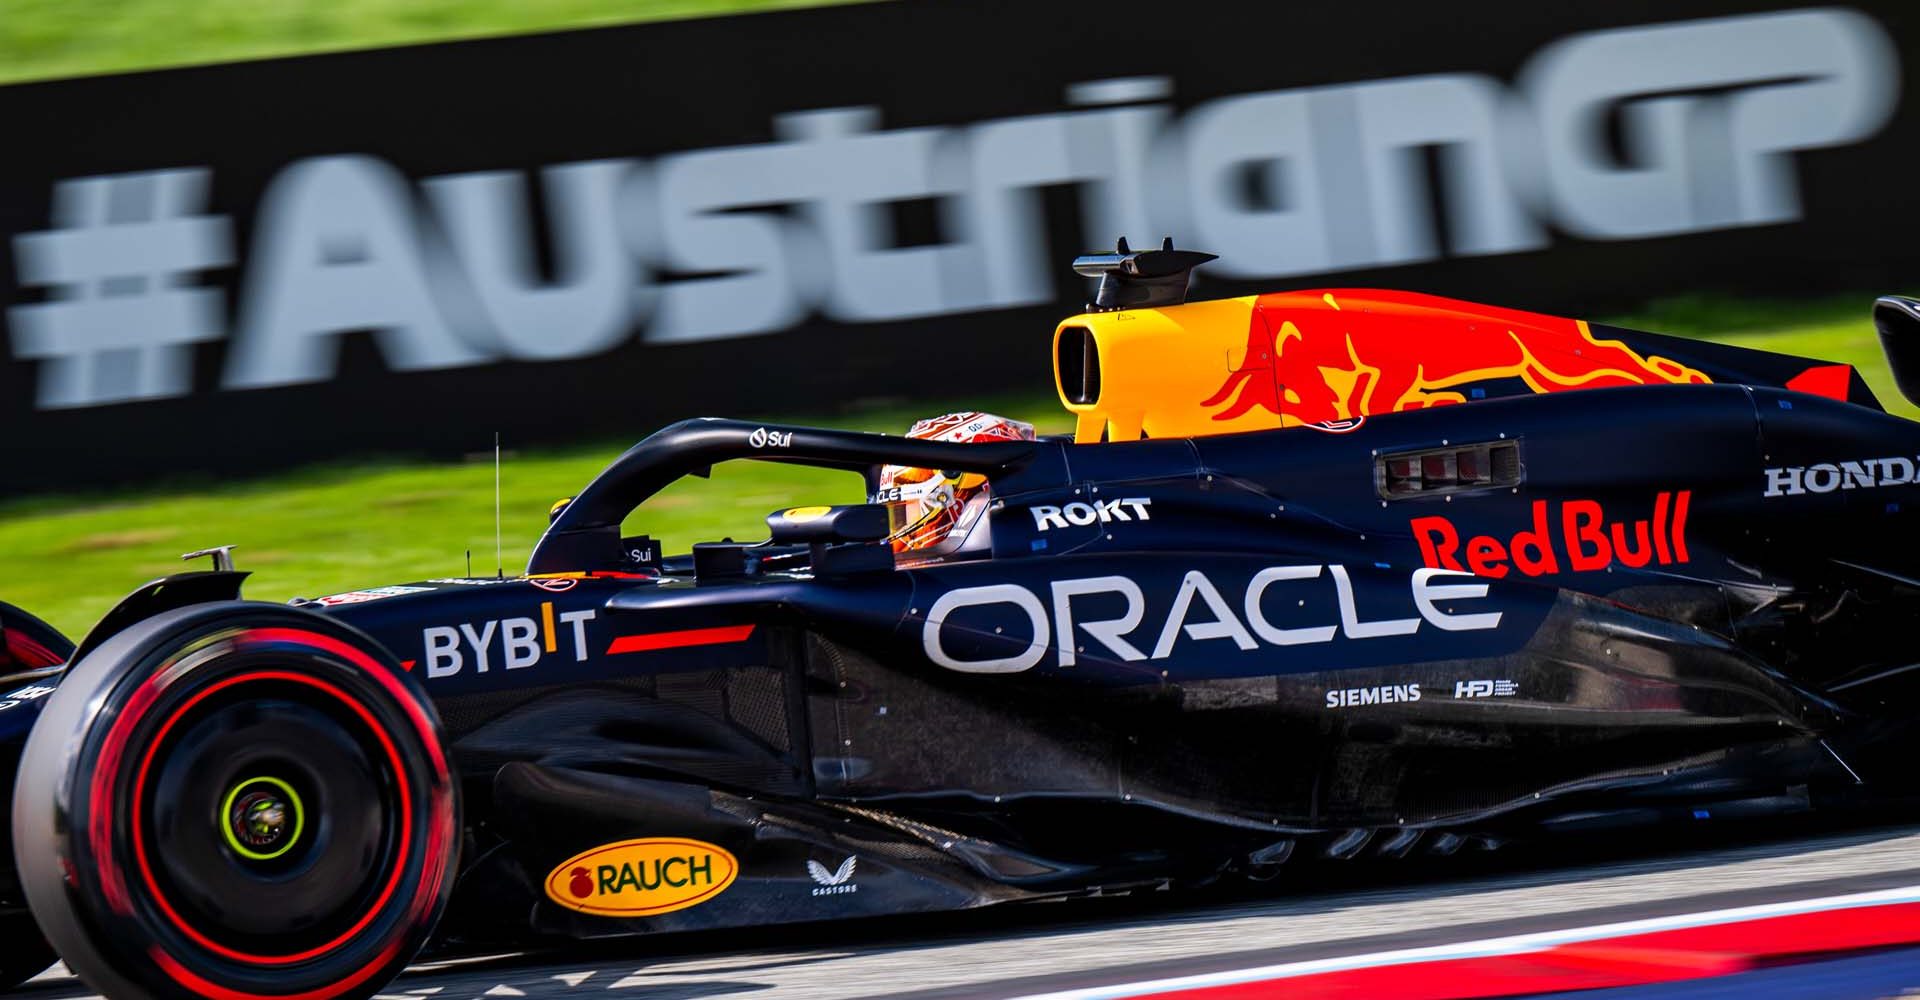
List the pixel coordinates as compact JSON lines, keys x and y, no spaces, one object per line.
{"x":1339,"y":573}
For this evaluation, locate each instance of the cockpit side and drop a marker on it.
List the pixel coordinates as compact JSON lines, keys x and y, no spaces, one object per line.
{"x":585,"y":535}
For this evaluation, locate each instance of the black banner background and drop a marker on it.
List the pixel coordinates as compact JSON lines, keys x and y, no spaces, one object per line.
{"x":528,"y":102}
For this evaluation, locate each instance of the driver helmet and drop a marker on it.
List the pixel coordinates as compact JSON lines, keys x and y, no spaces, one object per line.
{"x":928,"y":504}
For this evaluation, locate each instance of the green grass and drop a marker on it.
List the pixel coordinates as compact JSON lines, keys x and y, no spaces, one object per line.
{"x":338,"y":527}
{"x":40,"y":39}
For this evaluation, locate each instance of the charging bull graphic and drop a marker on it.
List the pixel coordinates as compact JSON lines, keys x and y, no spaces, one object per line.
{"x":1325,"y":359}
{"x":1310,"y":361}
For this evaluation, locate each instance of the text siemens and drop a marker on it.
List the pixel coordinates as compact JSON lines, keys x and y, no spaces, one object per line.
{"x":1389,"y":694}
{"x":1057,"y":632}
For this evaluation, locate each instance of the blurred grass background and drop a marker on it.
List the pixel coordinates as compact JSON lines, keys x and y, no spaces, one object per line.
{"x":40,"y":39}
{"x":338,"y":527}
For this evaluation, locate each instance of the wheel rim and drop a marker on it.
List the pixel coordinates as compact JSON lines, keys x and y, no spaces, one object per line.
{"x":315,"y":877}
{"x":262,"y":818}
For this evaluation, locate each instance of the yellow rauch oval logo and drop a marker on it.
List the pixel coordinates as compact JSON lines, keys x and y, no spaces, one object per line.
{"x":639,"y":878}
{"x":805,"y":513}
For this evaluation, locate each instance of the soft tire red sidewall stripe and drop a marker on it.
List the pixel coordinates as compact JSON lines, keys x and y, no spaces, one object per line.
{"x":139,"y":840}
{"x":437,"y":843}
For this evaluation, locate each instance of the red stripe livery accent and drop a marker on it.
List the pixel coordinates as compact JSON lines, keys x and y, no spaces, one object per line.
{"x":675,"y":640}
{"x":29,"y":652}
{"x":1630,"y":960}
{"x":1831,"y":381}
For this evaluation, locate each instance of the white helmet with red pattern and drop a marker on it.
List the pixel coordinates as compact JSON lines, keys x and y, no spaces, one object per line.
{"x":929,"y":504}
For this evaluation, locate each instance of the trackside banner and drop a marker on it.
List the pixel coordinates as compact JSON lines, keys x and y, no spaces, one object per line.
{"x":586,"y":234}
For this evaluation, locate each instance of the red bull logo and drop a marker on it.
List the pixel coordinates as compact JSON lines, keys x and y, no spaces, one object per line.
{"x":1587,"y":540}
{"x":1313,"y":358}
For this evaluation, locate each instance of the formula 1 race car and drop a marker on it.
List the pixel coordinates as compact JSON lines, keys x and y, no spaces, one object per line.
{"x":1331,"y":573}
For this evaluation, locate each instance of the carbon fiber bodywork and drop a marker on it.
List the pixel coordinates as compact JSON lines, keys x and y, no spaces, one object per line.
{"x":1255,"y":657}
{"x":1159,"y":661}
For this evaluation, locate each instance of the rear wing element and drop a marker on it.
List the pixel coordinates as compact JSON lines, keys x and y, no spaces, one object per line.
{"x":1898,"y":320}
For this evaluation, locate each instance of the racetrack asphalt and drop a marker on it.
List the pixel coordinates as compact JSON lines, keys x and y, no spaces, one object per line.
{"x":1332,"y":909}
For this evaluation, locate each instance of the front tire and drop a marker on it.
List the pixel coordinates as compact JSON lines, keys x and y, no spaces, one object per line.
{"x":237,"y":801}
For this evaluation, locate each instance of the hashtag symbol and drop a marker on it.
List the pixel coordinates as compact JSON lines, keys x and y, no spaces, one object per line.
{"x":121,"y":316}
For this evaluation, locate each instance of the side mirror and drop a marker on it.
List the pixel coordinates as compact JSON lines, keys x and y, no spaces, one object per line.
{"x":868,"y":522}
